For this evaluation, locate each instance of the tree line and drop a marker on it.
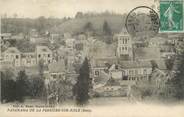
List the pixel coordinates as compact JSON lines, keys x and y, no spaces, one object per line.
{"x":106,"y":35}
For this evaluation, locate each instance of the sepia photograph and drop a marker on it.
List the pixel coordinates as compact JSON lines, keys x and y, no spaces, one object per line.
{"x":92,"y":58}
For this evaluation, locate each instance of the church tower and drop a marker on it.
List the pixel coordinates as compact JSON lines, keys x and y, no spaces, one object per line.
{"x":124,"y":45}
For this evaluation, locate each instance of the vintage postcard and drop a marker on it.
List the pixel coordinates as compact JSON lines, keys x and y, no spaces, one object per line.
{"x":91,"y":58}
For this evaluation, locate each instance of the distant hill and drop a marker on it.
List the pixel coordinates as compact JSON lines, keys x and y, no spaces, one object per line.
{"x":116,"y":22}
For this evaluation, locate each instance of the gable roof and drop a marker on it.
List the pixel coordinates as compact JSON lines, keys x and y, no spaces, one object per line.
{"x":28,"y":48}
{"x":57,"y":67}
{"x":134,"y":64}
{"x":104,"y":62}
{"x":42,"y":49}
{"x":12,"y":50}
{"x":161,"y":64}
{"x":147,"y":53}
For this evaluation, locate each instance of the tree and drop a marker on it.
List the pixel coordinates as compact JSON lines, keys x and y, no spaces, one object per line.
{"x":36,"y":86}
{"x":8,"y":86}
{"x":40,"y":24}
{"x":107,"y":32}
{"x":21,"y":87}
{"x":83,"y":84}
{"x":88,"y":28}
{"x":41,"y":67}
{"x":176,"y":83}
{"x":79,"y":15}
{"x":106,"y":29}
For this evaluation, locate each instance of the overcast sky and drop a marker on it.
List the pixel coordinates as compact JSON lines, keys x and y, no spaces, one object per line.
{"x":62,"y":8}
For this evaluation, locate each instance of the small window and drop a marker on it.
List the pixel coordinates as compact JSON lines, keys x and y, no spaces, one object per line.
{"x":39,"y":55}
{"x":125,"y":78}
{"x":48,"y":61}
{"x":145,"y":71}
{"x":97,"y":73}
{"x":54,"y":75}
{"x":48,"y":55}
{"x":125,"y":41}
{"x":136,"y":72}
{"x":17,"y":56}
{"x":122,"y":48}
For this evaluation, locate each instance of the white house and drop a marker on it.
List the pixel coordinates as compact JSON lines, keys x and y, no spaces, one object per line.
{"x":70,"y":43}
{"x":12,"y":55}
{"x":28,"y":59}
{"x":44,"y":53}
{"x":57,"y":70}
{"x":135,"y":70}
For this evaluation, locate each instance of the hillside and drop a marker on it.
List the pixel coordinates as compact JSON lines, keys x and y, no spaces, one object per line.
{"x":116,"y":22}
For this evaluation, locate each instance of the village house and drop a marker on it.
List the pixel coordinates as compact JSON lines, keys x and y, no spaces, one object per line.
{"x":12,"y":55}
{"x":175,"y":39}
{"x":57,"y":70}
{"x":160,"y":65}
{"x":54,"y":38}
{"x":44,"y":53}
{"x":79,"y":45}
{"x":6,"y":36}
{"x":61,"y":53}
{"x":7,"y":40}
{"x":5,"y":64}
{"x":157,"y":42}
{"x":70,"y":62}
{"x":167,"y":52}
{"x":70,"y":44}
{"x":28,"y":57}
{"x":135,"y":70}
{"x":112,"y":88}
{"x":81,"y":42}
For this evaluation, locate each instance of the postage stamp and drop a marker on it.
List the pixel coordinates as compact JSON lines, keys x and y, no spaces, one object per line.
{"x":171,"y":16}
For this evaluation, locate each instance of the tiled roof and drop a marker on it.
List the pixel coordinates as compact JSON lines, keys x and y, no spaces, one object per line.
{"x":147,"y":53}
{"x":12,"y":50}
{"x":134,"y":64}
{"x":104,"y":62}
{"x":30,"y":48}
{"x":42,"y":49}
{"x":161,"y":64}
{"x":57,"y":67}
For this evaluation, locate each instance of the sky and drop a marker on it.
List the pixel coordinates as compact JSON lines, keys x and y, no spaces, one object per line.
{"x":66,"y":8}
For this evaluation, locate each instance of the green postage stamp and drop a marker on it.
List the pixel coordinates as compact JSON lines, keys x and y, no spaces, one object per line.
{"x":171,"y":16}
